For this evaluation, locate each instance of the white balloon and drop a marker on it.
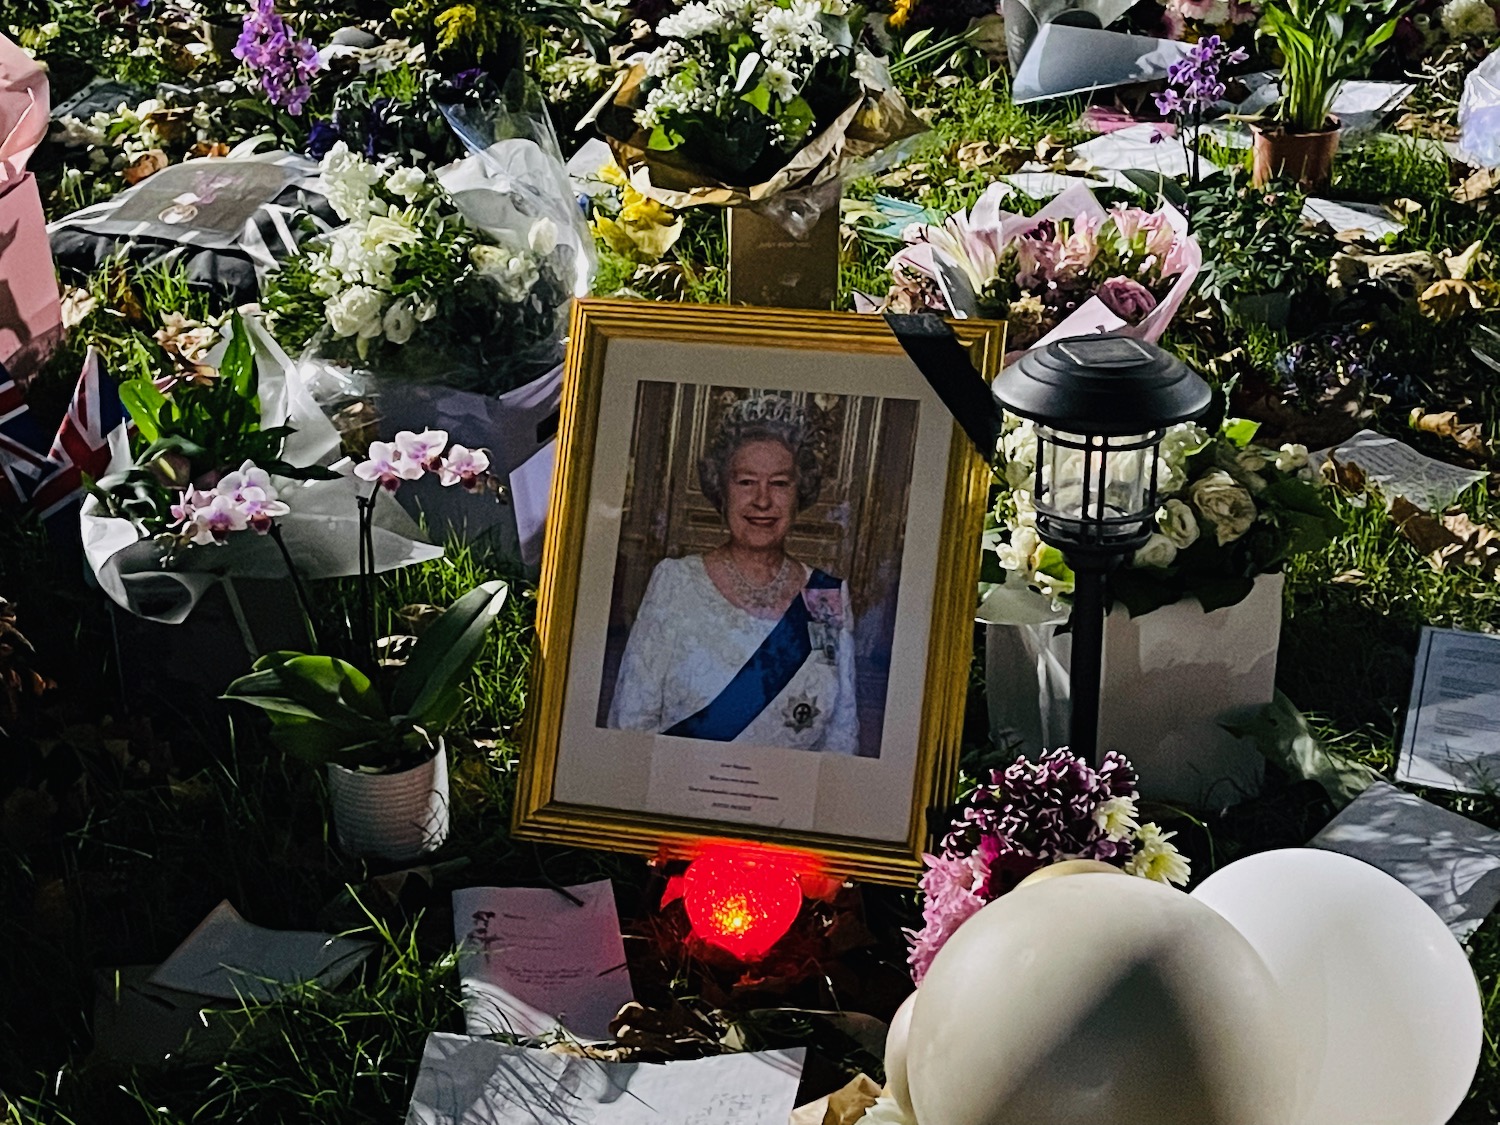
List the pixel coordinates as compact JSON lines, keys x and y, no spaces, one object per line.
{"x":1382,"y":996}
{"x":895,"y":1055}
{"x":1090,"y":1000}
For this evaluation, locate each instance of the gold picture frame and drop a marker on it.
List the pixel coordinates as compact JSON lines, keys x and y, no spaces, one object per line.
{"x":843,"y":366}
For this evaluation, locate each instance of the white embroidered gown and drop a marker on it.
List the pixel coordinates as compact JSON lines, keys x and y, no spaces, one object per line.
{"x":688,"y":642}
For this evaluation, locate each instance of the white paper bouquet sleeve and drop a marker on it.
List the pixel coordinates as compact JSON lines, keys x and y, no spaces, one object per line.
{"x":320,"y":531}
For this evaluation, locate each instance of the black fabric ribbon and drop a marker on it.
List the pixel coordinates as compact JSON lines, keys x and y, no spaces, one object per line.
{"x":942,"y":360}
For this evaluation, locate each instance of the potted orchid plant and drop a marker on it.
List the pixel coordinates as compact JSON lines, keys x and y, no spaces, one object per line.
{"x":378,"y":730}
{"x":1322,"y":43}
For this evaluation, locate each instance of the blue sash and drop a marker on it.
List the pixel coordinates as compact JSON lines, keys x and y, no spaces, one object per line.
{"x":762,"y":678}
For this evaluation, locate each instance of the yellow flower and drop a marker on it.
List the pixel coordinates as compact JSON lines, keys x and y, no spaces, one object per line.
{"x":644,"y":230}
{"x":900,"y":12}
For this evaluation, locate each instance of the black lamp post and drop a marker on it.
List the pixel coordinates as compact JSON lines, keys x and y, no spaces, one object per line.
{"x":1101,"y":406}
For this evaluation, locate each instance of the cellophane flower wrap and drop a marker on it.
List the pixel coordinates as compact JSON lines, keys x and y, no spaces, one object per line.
{"x":741,"y":100}
{"x":1027,"y":816}
{"x":409,"y":285}
{"x":1073,"y":268}
{"x":1228,"y":510}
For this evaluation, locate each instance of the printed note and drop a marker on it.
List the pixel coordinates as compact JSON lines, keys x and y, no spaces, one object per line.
{"x":1452,"y":736}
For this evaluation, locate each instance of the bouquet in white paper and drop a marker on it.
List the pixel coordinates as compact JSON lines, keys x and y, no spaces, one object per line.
{"x":228,"y":476}
{"x":1071,"y":269}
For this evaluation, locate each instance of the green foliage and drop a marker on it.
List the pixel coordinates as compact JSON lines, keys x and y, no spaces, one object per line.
{"x":324,"y":709}
{"x":1322,"y":43}
{"x":1255,"y":241}
{"x":483,"y":29}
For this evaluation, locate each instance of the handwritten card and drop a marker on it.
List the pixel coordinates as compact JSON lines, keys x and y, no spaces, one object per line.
{"x":465,"y":1081}
{"x":229,"y":958}
{"x":1399,"y":470}
{"x":1452,"y":736}
{"x":531,"y":958}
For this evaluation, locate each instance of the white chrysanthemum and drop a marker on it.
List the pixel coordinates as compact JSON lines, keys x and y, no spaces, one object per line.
{"x":1116,"y":817}
{"x":1468,"y":19}
{"x":780,"y":81}
{"x":691,"y":21}
{"x":1156,"y":859}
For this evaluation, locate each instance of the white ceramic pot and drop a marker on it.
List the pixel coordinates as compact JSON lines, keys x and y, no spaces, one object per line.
{"x":397,"y":816}
{"x":1171,"y":677}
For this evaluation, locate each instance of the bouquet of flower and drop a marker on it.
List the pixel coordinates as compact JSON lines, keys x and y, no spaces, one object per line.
{"x":744,"y":99}
{"x":410,"y":283}
{"x":1029,"y":815}
{"x":1071,"y":269}
{"x":1229,"y":510}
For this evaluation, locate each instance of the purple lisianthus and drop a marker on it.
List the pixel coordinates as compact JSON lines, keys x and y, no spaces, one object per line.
{"x":283,"y":63}
{"x":1127,"y":299}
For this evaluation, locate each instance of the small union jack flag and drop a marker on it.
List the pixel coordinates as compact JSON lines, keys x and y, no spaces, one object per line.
{"x":23,"y":445}
{"x":48,"y":478}
{"x":85,"y":441}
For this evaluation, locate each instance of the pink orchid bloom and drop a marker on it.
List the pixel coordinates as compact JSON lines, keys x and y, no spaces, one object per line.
{"x":388,"y":466}
{"x":191,"y":500}
{"x":463,"y":466}
{"x":424,"y":449}
{"x":261,"y":507}
{"x":248,"y":475}
{"x":215,"y":522}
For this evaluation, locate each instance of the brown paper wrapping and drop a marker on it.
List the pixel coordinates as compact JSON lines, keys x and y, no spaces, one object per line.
{"x":842,"y":1107}
{"x":866,"y":126}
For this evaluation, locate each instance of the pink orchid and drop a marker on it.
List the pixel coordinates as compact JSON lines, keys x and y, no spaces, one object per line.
{"x":261,"y":507}
{"x":248,"y":475}
{"x":425,"y":448}
{"x":214,"y":522}
{"x":463,"y":466}
{"x":190,"y":501}
{"x":389,"y":466}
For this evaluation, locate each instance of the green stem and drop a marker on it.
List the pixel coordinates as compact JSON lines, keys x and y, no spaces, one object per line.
{"x":304,"y":605}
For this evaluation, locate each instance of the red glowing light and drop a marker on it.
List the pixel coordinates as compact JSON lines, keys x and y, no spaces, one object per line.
{"x":741,"y":901}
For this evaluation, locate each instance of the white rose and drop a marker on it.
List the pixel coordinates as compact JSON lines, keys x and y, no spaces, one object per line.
{"x":1176,"y":521}
{"x":383,"y":231}
{"x":355,"y":312}
{"x":1291,"y":458}
{"x":1224,"y":504}
{"x":1158,"y":551}
{"x":488,"y":259}
{"x":399,"y":323}
{"x":408,"y":183}
{"x":1018,"y":554}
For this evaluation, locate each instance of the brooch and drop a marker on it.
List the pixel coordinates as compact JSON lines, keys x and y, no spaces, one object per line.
{"x":800,"y":711}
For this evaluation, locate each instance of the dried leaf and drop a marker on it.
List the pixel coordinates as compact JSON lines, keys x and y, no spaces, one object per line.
{"x":1468,"y":436}
{"x":145,"y":165}
{"x":1474,"y":188}
{"x":1460,"y":265}
{"x":1448,"y":298}
{"x":1451,"y":540}
{"x":209,"y":148}
{"x":1349,"y":578}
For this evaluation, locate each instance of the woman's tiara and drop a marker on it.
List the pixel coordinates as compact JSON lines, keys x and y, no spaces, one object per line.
{"x":766,"y":408}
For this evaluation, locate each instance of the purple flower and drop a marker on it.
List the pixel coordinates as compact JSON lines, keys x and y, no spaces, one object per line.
{"x":282,"y":62}
{"x":1193,"y":81}
{"x":321,"y":138}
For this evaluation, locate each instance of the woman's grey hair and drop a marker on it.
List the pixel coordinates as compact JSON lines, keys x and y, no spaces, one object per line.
{"x":761,"y":418}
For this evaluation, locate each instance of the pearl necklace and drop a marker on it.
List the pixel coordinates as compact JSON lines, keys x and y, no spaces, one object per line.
{"x":753,"y":596}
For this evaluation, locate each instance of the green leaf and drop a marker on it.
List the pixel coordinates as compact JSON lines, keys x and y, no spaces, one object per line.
{"x":915,"y":41}
{"x":797,"y":119}
{"x":144,"y":403}
{"x":428,"y":691}
{"x":1241,"y":431}
{"x":238,"y":365}
{"x":759,"y":97}
{"x":663,"y":139}
{"x":1281,"y":733}
{"x":1220,"y":593}
{"x":321,"y":688}
{"x":1156,"y":184}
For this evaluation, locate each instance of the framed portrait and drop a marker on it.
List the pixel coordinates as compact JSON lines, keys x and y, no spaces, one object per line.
{"x":757,"y":592}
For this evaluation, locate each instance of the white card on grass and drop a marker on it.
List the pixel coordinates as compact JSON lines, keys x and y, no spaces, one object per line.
{"x":466,"y":1081}
{"x":227,"y":957}
{"x":531,"y":958}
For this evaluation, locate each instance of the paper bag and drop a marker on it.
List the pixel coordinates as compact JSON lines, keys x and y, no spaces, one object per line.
{"x":30,"y":310}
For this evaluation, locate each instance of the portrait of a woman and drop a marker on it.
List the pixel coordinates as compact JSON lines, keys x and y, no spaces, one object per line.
{"x":744,"y":642}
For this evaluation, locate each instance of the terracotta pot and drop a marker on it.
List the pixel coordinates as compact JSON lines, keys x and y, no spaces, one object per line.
{"x":397,"y":816}
{"x":1304,"y":157}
